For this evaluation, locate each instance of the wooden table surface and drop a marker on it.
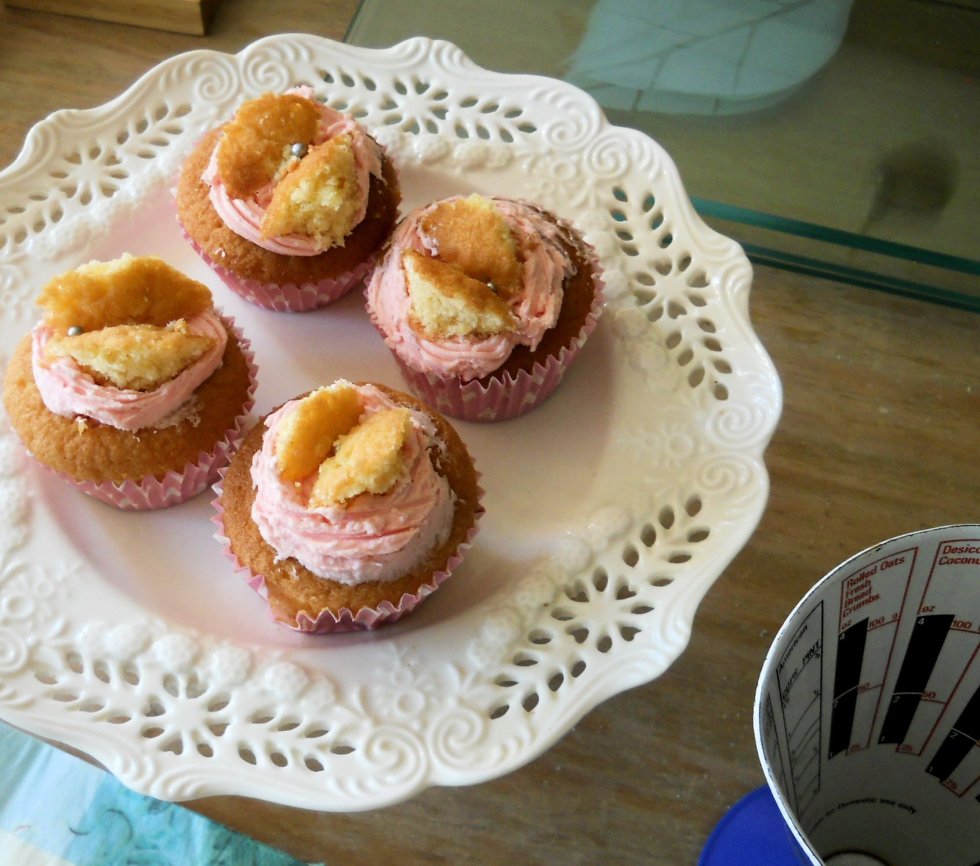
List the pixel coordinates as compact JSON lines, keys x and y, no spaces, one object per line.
{"x":879,"y":436}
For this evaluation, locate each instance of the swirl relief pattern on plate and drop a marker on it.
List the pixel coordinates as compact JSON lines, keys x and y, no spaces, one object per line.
{"x":463,"y":690}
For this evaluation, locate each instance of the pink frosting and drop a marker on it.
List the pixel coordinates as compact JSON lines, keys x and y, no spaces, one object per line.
{"x":371,"y":537}
{"x":545,"y":266}
{"x":67,"y":390}
{"x":244,"y":216}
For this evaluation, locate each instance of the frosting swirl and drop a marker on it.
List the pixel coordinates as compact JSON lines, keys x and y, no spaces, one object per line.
{"x":372,"y":537}
{"x":68,"y":390}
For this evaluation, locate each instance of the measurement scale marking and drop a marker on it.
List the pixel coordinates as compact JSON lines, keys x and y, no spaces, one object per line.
{"x":925,"y":643}
{"x":958,"y":742}
{"x":799,"y":677}
{"x":803,"y":770}
{"x":806,"y":714}
{"x":847,"y":678}
{"x":805,"y":749}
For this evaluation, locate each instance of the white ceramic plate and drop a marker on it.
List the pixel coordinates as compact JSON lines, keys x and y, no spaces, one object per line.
{"x":611,"y":509}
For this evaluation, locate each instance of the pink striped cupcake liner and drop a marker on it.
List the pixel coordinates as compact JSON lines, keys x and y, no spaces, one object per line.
{"x":499,"y":397}
{"x":151,"y":493}
{"x":289,"y":297}
{"x":345,"y":619}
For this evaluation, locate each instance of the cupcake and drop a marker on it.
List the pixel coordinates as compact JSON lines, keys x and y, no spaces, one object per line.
{"x":484,"y":302}
{"x":348,"y":506}
{"x":131,"y":387}
{"x":289,"y":201}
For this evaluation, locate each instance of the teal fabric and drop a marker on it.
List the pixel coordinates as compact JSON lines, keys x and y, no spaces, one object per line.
{"x":52,"y":803}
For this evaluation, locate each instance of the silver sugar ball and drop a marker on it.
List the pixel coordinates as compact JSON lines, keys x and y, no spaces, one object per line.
{"x":299,"y":150}
{"x":75,"y":330}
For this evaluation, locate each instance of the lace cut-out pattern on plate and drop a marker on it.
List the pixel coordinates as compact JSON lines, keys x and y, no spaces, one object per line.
{"x":601,"y":602}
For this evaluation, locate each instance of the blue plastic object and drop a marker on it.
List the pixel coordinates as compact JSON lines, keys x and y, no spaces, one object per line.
{"x":753,"y":832}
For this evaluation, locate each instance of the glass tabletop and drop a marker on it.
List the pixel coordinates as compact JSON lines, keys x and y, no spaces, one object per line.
{"x":831,"y":137}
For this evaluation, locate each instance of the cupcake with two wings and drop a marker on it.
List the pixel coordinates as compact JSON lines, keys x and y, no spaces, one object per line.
{"x":289,"y":201}
{"x":348,"y":506}
{"x":132,"y":386}
{"x":485,"y":301}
